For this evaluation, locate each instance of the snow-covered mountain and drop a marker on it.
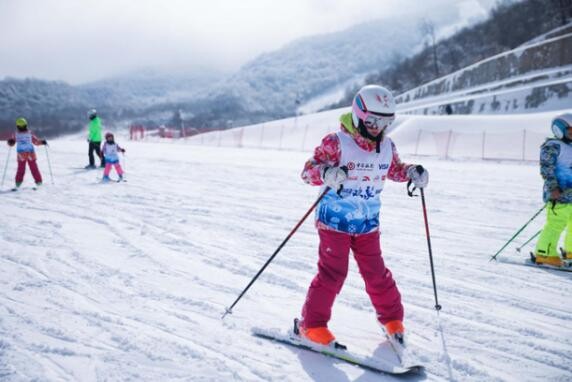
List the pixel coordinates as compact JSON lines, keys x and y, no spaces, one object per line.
{"x":270,"y":86}
{"x":536,"y":76}
{"x":148,"y":87}
{"x":274,"y":84}
{"x":312,"y":72}
{"x":310,"y":66}
{"x":49,"y":106}
{"x":265,"y":88}
{"x":55,"y":107}
{"x":488,"y":67}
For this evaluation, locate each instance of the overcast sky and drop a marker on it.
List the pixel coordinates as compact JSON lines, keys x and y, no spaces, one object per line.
{"x":84,"y":40}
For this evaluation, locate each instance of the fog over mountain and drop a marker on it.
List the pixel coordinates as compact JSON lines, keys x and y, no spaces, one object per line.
{"x":271,"y":85}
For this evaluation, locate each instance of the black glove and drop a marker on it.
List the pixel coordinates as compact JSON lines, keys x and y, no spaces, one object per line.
{"x":44,"y":142}
{"x":123,"y":150}
{"x":11,"y":142}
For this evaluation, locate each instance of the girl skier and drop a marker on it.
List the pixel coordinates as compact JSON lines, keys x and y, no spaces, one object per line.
{"x":25,"y":141}
{"x":556,"y":170}
{"x":110,"y":152}
{"x":354,"y":163}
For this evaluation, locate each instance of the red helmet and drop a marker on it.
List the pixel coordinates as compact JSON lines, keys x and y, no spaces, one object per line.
{"x":109,"y":135}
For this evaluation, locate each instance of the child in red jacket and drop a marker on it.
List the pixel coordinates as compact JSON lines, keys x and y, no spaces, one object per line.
{"x":354,"y":163}
{"x":25,"y":141}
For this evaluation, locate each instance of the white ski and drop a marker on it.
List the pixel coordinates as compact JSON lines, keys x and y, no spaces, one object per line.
{"x":337,"y":351}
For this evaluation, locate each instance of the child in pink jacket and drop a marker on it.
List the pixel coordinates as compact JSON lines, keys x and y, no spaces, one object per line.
{"x":110,"y":152}
{"x":354,"y":163}
{"x":25,"y":142}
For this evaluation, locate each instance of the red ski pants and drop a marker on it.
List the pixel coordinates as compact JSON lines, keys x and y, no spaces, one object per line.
{"x":107,"y":169}
{"x":333,"y":269}
{"x":22,"y":170}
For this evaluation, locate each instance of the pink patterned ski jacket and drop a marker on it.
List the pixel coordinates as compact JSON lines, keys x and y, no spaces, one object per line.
{"x":328,"y":154}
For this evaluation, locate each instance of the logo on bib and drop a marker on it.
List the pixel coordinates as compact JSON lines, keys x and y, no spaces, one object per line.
{"x":364,"y":166}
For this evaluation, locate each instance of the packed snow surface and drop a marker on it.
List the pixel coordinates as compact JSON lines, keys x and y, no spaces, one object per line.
{"x":128,"y":281}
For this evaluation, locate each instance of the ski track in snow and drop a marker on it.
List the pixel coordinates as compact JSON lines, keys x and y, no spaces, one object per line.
{"x":129,"y":281}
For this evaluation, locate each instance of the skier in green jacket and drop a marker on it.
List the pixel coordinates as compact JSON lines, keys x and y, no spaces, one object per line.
{"x":94,"y":139}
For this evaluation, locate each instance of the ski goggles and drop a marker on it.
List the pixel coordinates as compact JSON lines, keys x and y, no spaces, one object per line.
{"x":378,"y":122}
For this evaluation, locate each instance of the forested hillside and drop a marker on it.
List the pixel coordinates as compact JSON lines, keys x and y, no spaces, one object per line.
{"x":510,"y":25}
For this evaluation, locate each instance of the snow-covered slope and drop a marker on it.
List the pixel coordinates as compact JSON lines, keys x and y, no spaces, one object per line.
{"x":531,"y":78}
{"x":109,"y":282}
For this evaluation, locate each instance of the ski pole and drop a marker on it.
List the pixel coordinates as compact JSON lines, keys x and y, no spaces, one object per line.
{"x":528,"y":241}
{"x":437,"y":306}
{"x":517,"y":233}
{"x":49,"y":163}
{"x":229,"y":310}
{"x":6,"y":166}
{"x":124,"y":161}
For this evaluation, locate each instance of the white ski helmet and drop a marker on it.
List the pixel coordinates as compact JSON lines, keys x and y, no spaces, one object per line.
{"x":92,"y":114}
{"x":374,"y":105}
{"x":560,"y":124}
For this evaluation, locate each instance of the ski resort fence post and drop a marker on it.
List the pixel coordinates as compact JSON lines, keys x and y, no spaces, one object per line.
{"x":229,"y":310}
{"x":417,"y":142}
{"x":281,"y":136}
{"x":241,"y":137}
{"x":437,"y":306}
{"x":6,"y":166}
{"x":448,"y":144}
{"x":524,"y":144}
{"x":494,"y":257}
{"x":483,"y":147}
{"x":49,"y":164}
{"x":261,"y":136}
{"x":304,"y":137}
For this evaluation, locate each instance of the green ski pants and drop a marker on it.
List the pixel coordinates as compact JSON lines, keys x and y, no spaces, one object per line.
{"x":558,"y":219}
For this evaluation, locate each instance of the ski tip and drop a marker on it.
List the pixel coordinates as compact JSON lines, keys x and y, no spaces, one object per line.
{"x":415,"y":369}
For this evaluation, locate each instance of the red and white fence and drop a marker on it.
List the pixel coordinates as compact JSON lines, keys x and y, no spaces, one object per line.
{"x":495,"y":137}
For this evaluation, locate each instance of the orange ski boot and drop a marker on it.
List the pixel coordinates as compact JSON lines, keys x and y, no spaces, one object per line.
{"x":320,"y":335}
{"x":555,"y":261}
{"x":395,"y":331}
{"x":393,"y":327}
